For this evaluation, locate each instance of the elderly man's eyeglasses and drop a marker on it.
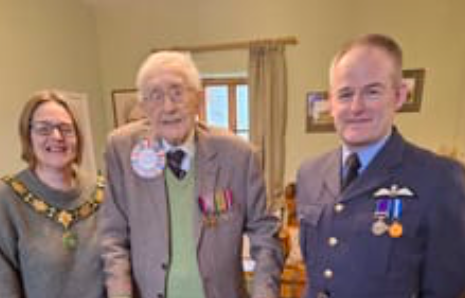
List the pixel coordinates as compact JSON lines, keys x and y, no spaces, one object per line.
{"x":176,"y":94}
{"x":45,"y":128}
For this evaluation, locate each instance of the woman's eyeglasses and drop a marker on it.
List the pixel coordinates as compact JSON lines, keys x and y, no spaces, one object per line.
{"x":45,"y":128}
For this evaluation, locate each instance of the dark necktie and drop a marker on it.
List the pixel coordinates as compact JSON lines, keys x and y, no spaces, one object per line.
{"x":174,"y":159}
{"x":352,"y":165}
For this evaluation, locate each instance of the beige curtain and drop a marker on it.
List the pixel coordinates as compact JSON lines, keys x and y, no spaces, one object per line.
{"x":268,"y":111}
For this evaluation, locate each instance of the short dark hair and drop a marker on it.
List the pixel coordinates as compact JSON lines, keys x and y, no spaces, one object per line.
{"x":36,"y":100}
{"x":379,"y":41}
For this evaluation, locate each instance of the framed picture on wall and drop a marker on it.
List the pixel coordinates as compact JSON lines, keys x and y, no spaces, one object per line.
{"x":318,"y":115}
{"x":125,"y":107}
{"x":414,"y":78}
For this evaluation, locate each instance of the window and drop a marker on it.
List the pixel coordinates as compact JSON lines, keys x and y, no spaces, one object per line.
{"x":227,"y":104}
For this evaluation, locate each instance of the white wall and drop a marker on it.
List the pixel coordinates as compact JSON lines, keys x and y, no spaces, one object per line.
{"x":45,"y":44}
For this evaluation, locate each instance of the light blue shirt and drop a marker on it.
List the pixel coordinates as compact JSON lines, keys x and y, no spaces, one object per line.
{"x":365,"y":154}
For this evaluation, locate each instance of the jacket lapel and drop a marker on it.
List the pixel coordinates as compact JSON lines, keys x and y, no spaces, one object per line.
{"x":332,"y":177}
{"x":206,"y":178}
{"x":159,"y":202}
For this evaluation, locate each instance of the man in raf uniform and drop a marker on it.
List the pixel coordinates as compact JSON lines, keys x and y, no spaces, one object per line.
{"x":380,"y":217}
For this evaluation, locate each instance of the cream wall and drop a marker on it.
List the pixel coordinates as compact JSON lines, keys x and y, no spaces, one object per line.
{"x":45,"y":43}
{"x":98,"y":48}
{"x":429,"y":30}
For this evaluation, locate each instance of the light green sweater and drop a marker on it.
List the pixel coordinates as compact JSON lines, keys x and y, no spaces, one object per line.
{"x":183,"y":278}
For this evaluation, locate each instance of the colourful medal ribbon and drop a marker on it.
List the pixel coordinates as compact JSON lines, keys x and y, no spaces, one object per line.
{"x":383,"y":207}
{"x":396,"y":229}
{"x":202,"y":206}
{"x":397,"y":209}
{"x":228,"y":195}
{"x":207,"y":207}
{"x":382,"y":210}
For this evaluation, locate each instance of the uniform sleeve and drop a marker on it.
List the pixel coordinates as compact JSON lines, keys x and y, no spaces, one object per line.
{"x":302,"y":227}
{"x":262,"y":229}
{"x":114,"y":230}
{"x":444,"y":265}
{"x":10,"y":281}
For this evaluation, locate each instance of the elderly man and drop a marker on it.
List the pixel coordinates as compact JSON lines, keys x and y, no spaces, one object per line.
{"x":180,"y":197}
{"x":380,"y":217}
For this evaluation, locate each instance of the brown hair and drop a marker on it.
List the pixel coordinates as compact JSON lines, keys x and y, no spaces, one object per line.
{"x":36,"y":100}
{"x":379,"y":41}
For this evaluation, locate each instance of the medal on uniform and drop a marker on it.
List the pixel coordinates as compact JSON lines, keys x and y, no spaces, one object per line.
{"x":394,"y":195}
{"x":147,"y":159}
{"x":396,"y":229}
{"x":216,"y":205}
{"x":207,"y":208}
{"x":379,"y":227}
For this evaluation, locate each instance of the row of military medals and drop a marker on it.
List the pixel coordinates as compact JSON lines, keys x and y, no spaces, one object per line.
{"x":388,"y":211}
{"x":148,"y":160}
{"x":215,"y":205}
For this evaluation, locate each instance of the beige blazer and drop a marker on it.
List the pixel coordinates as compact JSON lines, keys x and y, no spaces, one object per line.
{"x":134,"y":220}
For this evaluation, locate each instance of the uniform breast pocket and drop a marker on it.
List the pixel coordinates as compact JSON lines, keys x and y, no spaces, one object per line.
{"x":310,"y":216}
{"x":371,"y":253}
{"x":409,"y":249}
{"x":368,"y":247}
{"x":406,"y":257}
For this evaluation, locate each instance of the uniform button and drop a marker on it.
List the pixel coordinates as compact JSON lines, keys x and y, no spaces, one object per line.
{"x":328,"y":273}
{"x":164,"y":266}
{"x":339,"y":208}
{"x":160,"y":295}
{"x":332,"y":241}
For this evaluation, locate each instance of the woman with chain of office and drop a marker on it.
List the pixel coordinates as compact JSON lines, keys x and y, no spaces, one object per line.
{"x":48,"y":238}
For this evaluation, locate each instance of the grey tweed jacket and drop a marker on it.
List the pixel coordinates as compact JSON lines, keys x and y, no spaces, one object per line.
{"x":134,"y":221}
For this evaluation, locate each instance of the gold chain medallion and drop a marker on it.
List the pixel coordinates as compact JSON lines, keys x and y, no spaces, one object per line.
{"x":63,"y":217}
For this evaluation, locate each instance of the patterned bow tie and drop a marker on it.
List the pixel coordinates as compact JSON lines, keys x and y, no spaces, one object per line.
{"x":174,"y":159}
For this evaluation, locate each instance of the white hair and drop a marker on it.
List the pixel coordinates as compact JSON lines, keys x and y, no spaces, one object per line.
{"x":159,"y":62}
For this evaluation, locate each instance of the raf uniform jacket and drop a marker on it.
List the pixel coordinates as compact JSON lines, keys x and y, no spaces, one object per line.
{"x":345,"y":259}
{"x":135,"y":220}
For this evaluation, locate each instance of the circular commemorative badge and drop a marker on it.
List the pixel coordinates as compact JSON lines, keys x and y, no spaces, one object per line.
{"x":147,"y":159}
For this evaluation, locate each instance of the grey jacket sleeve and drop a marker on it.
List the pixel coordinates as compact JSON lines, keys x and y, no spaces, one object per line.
{"x":10,"y":281}
{"x":262,"y":229}
{"x":114,"y":229}
{"x":444,"y":268}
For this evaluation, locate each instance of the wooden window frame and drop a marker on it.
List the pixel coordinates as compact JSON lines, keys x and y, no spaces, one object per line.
{"x":232,"y":84}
